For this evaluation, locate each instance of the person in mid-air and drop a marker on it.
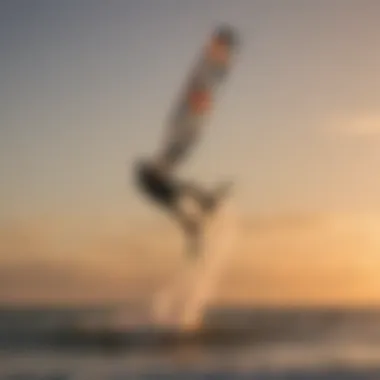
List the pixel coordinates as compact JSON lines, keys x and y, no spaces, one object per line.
{"x":156,"y":177}
{"x":156,"y":181}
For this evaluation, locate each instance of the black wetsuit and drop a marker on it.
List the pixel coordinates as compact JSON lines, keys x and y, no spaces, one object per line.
{"x":158,"y":186}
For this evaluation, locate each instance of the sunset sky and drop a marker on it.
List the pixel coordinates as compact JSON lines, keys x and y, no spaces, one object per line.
{"x":86,"y":87}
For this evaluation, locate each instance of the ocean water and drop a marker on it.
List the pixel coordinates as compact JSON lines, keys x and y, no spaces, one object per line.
{"x":285,"y":344}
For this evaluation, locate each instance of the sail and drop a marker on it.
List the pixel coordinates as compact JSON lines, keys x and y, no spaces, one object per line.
{"x":198,"y":98}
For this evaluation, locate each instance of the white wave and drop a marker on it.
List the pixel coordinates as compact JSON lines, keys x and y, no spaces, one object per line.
{"x":318,"y":362}
{"x":183,"y":302}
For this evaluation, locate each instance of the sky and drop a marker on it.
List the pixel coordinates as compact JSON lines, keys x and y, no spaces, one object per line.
{"x":87,"y":86}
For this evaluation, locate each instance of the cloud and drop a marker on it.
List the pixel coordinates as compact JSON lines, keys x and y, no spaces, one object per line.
{"x":284,"y":222}
{"x":331,"y":259}
{"x":279,"y":258}
{"x":38,"y":262}
{"x":45,"y":280}
{"x":355,"y":125}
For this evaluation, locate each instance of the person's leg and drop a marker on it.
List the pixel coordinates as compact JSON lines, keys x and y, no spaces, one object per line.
{"x":206,"y":200}
{"x":166,"y":192}
{"x":191,"y":226}
{"x":203,"y":198}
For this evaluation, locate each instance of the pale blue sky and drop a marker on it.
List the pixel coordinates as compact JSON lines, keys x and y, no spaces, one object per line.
{"x":86,"y":86}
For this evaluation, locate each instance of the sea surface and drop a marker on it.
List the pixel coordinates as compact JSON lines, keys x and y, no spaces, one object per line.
{"x":285,"y":344}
